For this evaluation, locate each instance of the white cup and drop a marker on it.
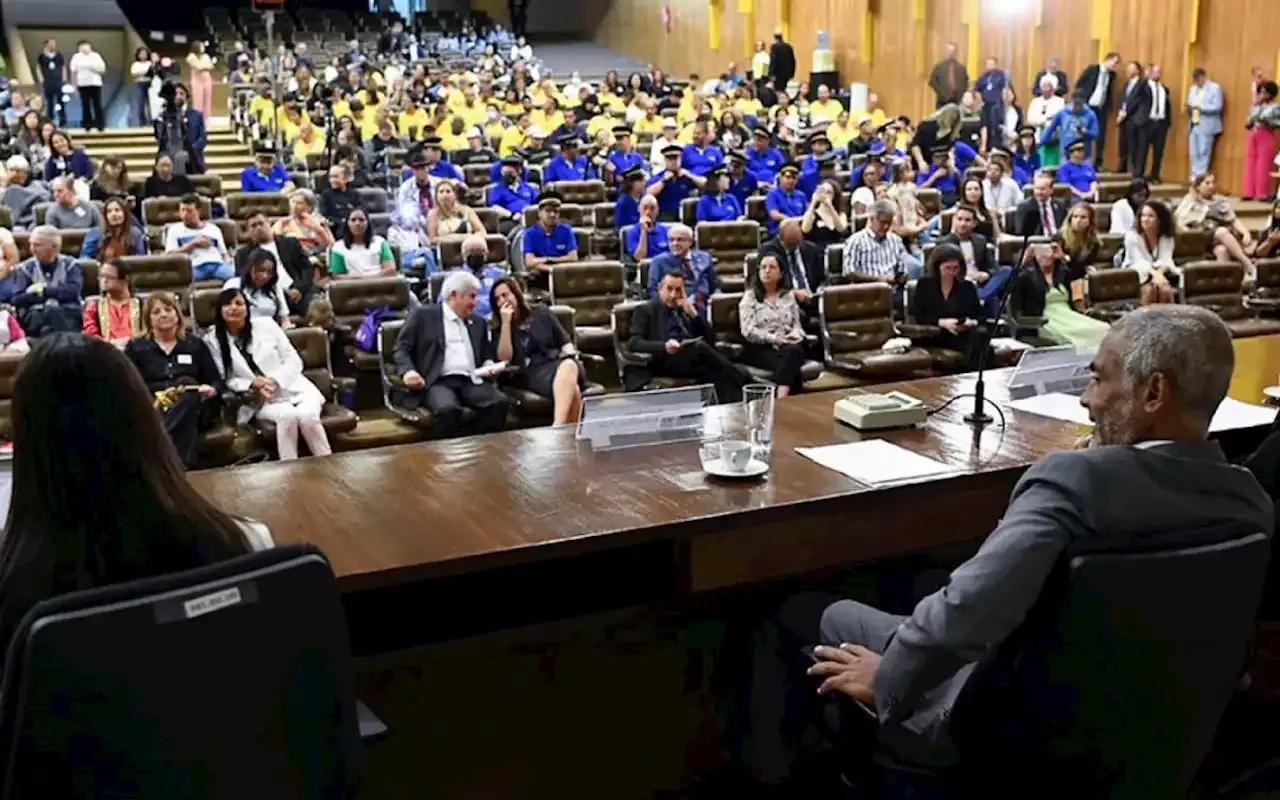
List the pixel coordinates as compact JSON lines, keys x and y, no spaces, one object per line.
{"x":735,"y":456}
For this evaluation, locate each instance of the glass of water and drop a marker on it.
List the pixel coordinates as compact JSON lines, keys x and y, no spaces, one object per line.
{"x":758,"y":400}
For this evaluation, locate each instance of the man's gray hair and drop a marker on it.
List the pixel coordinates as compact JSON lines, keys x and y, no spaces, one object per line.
{"x":63,"y":182}
{"x":1189,"y":345}
{"x":308,"y":196}
{"x":789,"y":222}
{"x":882,"y":208}
{"x":474,"y":241}
{"x":47,"y":233}
{"x":459,"y":281}
{"x":681,"y":229}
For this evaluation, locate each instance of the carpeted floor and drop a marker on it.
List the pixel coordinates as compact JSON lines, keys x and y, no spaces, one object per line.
{"x":588,"y":58}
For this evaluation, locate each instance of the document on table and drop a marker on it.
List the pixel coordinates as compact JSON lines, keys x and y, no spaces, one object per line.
{"x":1231,"y":415}
{"x":876,"y":462}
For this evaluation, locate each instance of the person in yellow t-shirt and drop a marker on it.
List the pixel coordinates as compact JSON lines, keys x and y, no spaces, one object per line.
{"x":746,"y":102}
{"x":369,"y":122}
{"x":612,"y":102}
{"x":651,"y":122}
{"x":308,"y":143}
{"x":511,"y":102}
{"x":514,"y":138}
{"x":760,"y":62}
{"x":600,"y":122}
{"x":842,"y":131}
{"x":825,"y":109}
{"x":689,"y":104}
{"x":372,"y":99}
{"x":873,"y":112}
{"x":548,"y":117}
{"x":290,"y":119}
{"x":494,"y":125}
{"x":454,"y":137}
{"x":262,"y":107}
{"x":412,"y":124}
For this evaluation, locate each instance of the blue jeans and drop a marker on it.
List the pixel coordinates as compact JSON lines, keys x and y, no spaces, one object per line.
{"x":989,"y":292}
{"x":214,"y":270}
{"x":142,"y":104}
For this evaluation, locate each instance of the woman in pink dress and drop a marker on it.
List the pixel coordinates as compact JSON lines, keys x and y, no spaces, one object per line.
{"x":201,"y":80}
{"x":1260,"y":149}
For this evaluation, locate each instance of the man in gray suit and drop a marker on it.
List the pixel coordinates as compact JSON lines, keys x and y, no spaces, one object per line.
{"x":1148,"y":470}
{"x":1204,"y":110}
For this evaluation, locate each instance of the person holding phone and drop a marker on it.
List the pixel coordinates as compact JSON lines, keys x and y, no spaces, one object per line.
{"x":1043,"y":288}
{"x":943,"y":297}
{"x":770,"y":320}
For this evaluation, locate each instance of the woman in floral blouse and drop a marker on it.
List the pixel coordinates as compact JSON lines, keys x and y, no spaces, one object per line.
{"x":769,"y":318}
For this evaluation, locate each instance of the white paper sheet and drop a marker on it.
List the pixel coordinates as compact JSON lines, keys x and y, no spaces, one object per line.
{"x":875,"y":462}
{"x":1231,"y":415}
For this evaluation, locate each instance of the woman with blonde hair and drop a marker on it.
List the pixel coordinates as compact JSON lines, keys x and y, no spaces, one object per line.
{"x":448,"y":216}
{"x":1203,"y":209}
{"x":939,"y":129}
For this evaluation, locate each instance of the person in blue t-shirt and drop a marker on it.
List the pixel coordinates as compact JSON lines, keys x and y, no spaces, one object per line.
{"x":437,"y":167}
{"x":265,"y":175}
{"x":549,"y":242}
{"x":763,"y":159}
{"x":819,"y":145}
{"x":701,"y":157}
{"x":623,"y":158}
{"x":648,"y":237}
{"x":742,"y":184}
{"x":570,"y":165}
{"x":785,"y":200}
{"x":966,"y":156}
{"x":824,"y":170}
{"x":717,"y":204}
{"x":1079,"y":174}
{"x":511,"y":195}
{"x":1026,"y":156}
{"x":941,"y":175}
{"x":630,"y":192}
{"x":673,"y":184}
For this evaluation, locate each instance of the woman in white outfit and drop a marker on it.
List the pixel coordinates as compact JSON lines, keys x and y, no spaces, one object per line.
{"x":254,"y":355}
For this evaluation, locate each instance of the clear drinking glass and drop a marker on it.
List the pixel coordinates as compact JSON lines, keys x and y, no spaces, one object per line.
{"x":758,"y":400}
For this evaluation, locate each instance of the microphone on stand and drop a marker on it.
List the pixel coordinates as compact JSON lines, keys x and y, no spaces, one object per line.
{"x":982,"y":338}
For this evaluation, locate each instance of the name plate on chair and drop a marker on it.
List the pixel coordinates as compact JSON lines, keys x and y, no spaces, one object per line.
{"x":207,"y":604}
{"x":637,"y":419}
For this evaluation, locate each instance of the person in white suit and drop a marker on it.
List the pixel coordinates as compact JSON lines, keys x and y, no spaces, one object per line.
{"x":255,"y":355}
{"x":1204,"y":112}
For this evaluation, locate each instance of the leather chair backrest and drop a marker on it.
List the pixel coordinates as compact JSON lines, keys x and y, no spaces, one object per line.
{"x":373,"y":199}
{"x":1268,"y":273}
{"x":931,"y":199}
{"x":1111,"y":287}
{"x":301,"y":179}
{"x":1190,"y":245}
{"x":167,"y":272}
{"x":582,"y":193}
{"x":1216,"y":286}
{"x":733,"y":238}
{"x":1102,"y":216}
{"x":863,"y":311}
{"x":945,"y":219}
{"x":387,"y":333}
{"x":621,"y":314}
{"x":750,"y":266}
{"x":89,"y":270}
{"x":1111,"y":191}
{"x":451,"y":250}
{"x":161,"y":211}
{"x":312,"y":345}
{"x":352,"y":298}
{"x":689,"y":211}
{"x":208,"y":185}
{"x":204,"y":306}
{"x":575,"y":216}
{"x":476,"y":176}
{"x":1131,"y":712}
{"x":72,"y":242}
{"x":381,"y":223}
{"x":317,"y":162}
{"x":242,"y":204}
{"x":533,"y":174}
{"x":591,"y":288}
{"x":756,"y":211}
{"x":582,"y":238}
{"x":9,"y":363}
{"x":6,"y":218}
{"x":320,"y":180}
{"x":396,"y":158}
{"x":835,"y":260}
{"x":723,"y":314}
{"x":39,"y":211}
{"x":602,"y":215}
{"x":488,"y":218}
{"x":1109,"y":245}
{"x":1061,"y":191}
{"x":1009,"y":249}
{"x":567,"y":317}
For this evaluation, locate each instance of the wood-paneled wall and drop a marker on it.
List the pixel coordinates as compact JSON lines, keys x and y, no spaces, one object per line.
{"x":1232,"y":37}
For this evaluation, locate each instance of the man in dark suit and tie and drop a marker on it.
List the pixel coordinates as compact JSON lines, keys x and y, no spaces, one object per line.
{"x":1151,"y":124}
{"x":1128,"y":97}
{"x":444,"y":353}
{"x":1149,"y":473}
{"x":1096,"y":82}
{"x":803,"y":261}
{"x":1042,"y":214}
{"x":679,"y":343}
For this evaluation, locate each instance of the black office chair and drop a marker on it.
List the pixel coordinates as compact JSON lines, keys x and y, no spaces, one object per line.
{"x":1114,"y":684}
{"x":229,"y":681}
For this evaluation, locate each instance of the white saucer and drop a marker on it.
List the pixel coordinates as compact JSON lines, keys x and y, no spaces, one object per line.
{"x":1273,"y":392}
{"x":755,"y":468}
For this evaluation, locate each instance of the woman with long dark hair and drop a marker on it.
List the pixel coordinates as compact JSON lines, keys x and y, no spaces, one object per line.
{"x":117,"y":235}
{"x":1123,"y":211}
{"x":944,"y":298}
{"x":532,"y":339}
{"x":260,"y":283}
{"x":971,"y":194}
{"x":1148,"y":248}
{"x":99,"y":493}
{"x":255,"y":357}
{"x":359,"y":252}
{"x":112,"y":180}
{"x":769,"y":319}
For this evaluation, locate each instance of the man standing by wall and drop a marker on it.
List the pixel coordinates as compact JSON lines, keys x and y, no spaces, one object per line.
{"x":991,"y":85}
{"x":949,"y":78}
{"x":1204,"y":113}
{"x":782,"y":62}
{"x":87,"y":69}
{"x":1096,"y":82}
{"x":53,"y":74}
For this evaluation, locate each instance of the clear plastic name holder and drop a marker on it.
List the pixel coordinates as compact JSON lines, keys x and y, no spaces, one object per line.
{"x":638,"y":419}
{"x":1046,"y":370}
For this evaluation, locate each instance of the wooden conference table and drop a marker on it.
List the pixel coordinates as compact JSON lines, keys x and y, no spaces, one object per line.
{"x":469,"y":524}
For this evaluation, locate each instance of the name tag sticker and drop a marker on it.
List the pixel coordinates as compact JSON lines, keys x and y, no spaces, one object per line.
{"x":184,"y":358}
{"x":79,"y":212}
{"x":199,"y":606}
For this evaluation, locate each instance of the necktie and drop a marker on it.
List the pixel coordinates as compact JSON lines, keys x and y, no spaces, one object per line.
{"x":1047,"y":220}
{"x":687,"y":264}
{"x":800,"y":279}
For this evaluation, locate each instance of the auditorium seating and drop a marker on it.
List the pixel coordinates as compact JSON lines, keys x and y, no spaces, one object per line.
{"x":312,"y":345}
{"x":1112,"y":293}
{"x":728,"y":244}
{"x":1220,"y":288}
{"x":353,"y":297}
{"x":628,"y":358}
{"x":722,"y":314}
{"x":856,"y":321}
{"x":450,"y":251}
{"x":591,"y":289}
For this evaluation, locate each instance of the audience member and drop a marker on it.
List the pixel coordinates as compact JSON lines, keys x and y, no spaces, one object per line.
{"x":66,"y":159}
{"x":195,"y":135}
{"x":21,"y":195}
{"x":112,"y":180}
{"x":1203,"y":209}
{"x":117,"y":235}
{"x":1075,"y":122}
{"x":475,"y":259}
{"x":304,"y":224}
{"x":53,"y":76}
{"x":944,"y":298}
{"x":178,"y":370}
{"x":1269,"y":236}
{"x":1045,"y":288}
{"x":803,"y":262}
{"x":1095,"y":88}
{"x":717,"y":204}
{"x":532,"y":339}
{"x":260,"y":284}
{"x":1128,"y":135}
{"x":823,"y":223}
{"x":1028,"y":157}
{"x":445,"y":359}
{"x":1122,"y":210}
{"x":1056,"y":79}
{"x":48,"y":286}
{"x":877,"y":255}
{"x":68,"y":211}
{"x":1042,"y":214}
{"x":673,"y":183}
{"x":200,"y":241}
{"x":338,"y":199}
{"x":298,"y":276}
{"x":1148,"y":248}
{"x":103,"y":445}
{"x":164,"y":183}
{"x":86,"y":70}
{"x":448,"y":217}
{"x":1260,"y":148}
{"x":265,"y":175}
{"x":1079,"y":174}
{"x":697,"y":267}
{"x":941,"y":174}
{"x":1078,"y":246}
{"x":679,"y":343}
{"x":1151,"y":125}
{"x":1043,"y":110}
{"x":115,"y":315}
{"x":648,"y":238}
{"x":784,"y":200}
{"x":256,"y":358}
{"x":512,"y":195}
{"x":770,"y":320}
{"x":978,"y":256}
{"x":763,"y":159}
{"x":359,"y":252}
{"x":939,"y":131}
{"x":1000,"y":193}
{"x":949,"y":78}
{"x":1204,"y":115}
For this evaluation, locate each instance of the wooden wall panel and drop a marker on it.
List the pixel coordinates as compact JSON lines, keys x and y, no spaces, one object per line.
{"x":1233,"y":36}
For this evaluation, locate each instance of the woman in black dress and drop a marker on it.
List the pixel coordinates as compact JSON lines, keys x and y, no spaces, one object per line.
{"x":939,"y":129}
{"x":179,"y":371}
{"x":532,"y":339}
{"x":945,"y":299}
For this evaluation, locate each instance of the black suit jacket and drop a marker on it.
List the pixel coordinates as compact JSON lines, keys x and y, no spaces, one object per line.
{"x":1063,"y":82}
{"x":782,"y":64}
{"x":421,"y":344}
{"x":1137,"y":110}
{"x":649,"y":336}
{"x":928,"y":305}
{"x":981,"y":253}
{"x":1026,"y":219}
{"x":812,"y":257}
{"x":1089,"y":81}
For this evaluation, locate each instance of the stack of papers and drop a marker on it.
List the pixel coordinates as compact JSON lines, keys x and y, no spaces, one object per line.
{"x":876,"y":462}
{"x":1231,"y":415}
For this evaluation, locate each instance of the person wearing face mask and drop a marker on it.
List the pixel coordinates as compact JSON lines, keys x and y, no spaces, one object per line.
{"x":116,"y":316}
{"x":475,"y":260}
{"x":511,"y":195}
